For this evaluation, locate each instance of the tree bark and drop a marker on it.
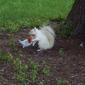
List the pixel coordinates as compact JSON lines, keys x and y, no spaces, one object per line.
{"x":77,"y":16}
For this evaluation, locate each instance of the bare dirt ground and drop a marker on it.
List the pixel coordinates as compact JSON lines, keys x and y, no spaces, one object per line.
{"x":68,"y":65}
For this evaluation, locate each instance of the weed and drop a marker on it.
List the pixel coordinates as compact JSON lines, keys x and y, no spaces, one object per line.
{"x":61,"y":82}
{"x":34,"y":71}
{"x":6,"y":56}
{"x":11,"y":42}
{"x":39,"y":82}
{"x":21,"y":70}
{"x":61,"y":52}
{"x":11,"y":83}
{"x":66,"y":29}
{"x":0,"y":82}
{"x":46,"y":70}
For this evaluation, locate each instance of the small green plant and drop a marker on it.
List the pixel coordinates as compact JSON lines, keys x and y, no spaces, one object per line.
{"x":6,"y":56}
{"x":61,"y":51}
{"x":61,"y":82}
{"x":39,"y":82}
{"x":0,"y":82}
{"x":21,"y":70}
{"x":34,"y":71}
{"x":11,"y":42}
{"x":66,"y":29}
{"x":46,"y":70}
{"x":11,"y":83}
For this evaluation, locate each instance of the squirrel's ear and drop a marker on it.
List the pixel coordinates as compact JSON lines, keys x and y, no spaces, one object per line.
{"x":35,"y":28}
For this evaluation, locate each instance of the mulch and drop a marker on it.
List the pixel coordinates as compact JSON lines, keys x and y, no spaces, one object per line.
{"x":69,"y":65}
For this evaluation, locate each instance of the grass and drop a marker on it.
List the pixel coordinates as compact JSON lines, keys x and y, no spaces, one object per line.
{"x":61,"y":82}
{"x":28,"y":73}
{"x":21,"y":70}
{"x":34,"y":70}
{"x":17,"y":13}
{"x":25,"y":73}
{"x":7,"y":57}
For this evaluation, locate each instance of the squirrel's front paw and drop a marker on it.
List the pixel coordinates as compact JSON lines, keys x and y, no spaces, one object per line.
{"x":39,"y":50}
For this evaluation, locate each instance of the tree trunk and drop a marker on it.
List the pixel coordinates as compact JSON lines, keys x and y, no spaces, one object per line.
{"x":77,"y":16}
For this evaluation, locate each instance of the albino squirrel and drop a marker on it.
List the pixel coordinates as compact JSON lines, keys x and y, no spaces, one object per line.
{"x":45,"y":36}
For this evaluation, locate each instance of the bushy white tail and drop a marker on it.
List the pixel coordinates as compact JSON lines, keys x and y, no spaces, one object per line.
{"x":50,"y":34}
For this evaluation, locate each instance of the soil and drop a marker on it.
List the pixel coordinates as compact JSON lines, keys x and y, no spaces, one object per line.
{"x":68,"y":65}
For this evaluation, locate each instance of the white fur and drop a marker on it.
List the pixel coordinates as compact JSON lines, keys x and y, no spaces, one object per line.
{"x":24,"y":43}
{"x":45,"y":37}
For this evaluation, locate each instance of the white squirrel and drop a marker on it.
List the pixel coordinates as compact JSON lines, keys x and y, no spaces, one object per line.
{"x":45,"y":36}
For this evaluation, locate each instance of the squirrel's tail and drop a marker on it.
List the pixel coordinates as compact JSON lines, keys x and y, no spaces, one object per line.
{"x":50,"y":34}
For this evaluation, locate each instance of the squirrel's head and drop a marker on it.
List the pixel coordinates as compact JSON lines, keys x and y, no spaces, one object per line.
{"x":34,"y":31}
